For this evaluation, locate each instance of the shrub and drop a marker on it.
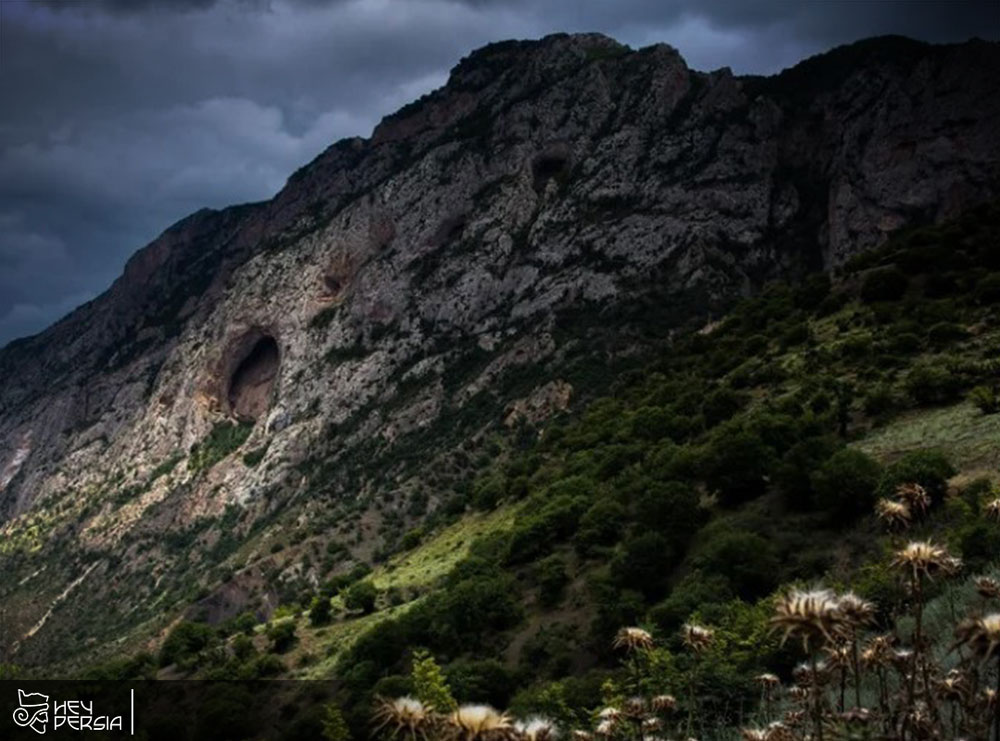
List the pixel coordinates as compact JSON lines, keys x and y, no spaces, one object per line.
{"x":670,"y":508}
{"x":845,"y":484}
{"x":794,"y":474}
{"x":880,"y":401}
{"x":813,"y":291}
{"x":985,"y":399}
{"x":735,"y":465}
{"x":412,"y":539}
{"x":932,"y":384}
{"x":224,"y":438}
{"x":644,"y":563}
{"x":488,"y":491}
{"x":979,"y":542}
{"x":319,"y":610}
{"x":486,"y":681}
{"x":184,"y":640}
{"x":887,"y":284}
{"x":282,"y":635}
{"x":722,"y":404}
{"x":929,"y":468}
{"x":538,"y":533}
{"x":361,"y":596}
{"x":796,"y":335}
{"x":600,"y":525}
{"x":944,"y":333}
{"x":904,"y":343}
{"x":696,"y":591}
{"x":988,"y":289}
{"x":551,"y":577}
{"x":243,"y":647}
{"x":745,"y":559}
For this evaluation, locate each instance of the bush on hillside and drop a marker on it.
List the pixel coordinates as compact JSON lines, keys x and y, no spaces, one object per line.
{"x":747,"y":560}
{"x":887,"y":284}
{"x":985,"y":398}
{"x":932,"y":384}
{"x":929,"y":468}
{"x":185,"y":640}
{"x":845,"y":485}
{"x":361,"y":596}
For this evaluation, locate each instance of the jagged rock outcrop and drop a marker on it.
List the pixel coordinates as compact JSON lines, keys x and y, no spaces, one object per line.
{"x":434,"y":279}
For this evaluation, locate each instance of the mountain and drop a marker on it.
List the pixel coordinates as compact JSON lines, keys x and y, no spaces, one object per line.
{"x":274,"y":392}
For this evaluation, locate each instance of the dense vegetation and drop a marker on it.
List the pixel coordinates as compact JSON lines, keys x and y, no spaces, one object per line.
{"x":696,"y":492}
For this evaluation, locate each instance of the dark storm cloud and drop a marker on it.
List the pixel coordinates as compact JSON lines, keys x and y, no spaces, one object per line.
{"x":121,"y":116}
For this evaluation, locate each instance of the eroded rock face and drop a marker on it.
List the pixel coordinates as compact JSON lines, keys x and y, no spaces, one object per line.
{"x":252,"y":383}
{"x":552,"y":193}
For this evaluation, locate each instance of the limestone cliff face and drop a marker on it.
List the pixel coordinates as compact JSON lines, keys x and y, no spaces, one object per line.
{"x":427,"y":283}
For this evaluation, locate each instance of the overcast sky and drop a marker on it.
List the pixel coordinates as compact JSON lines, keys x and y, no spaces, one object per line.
{"x":118,"y":117}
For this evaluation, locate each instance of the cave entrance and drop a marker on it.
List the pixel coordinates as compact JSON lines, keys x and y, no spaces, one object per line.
{"x":252,"y":382}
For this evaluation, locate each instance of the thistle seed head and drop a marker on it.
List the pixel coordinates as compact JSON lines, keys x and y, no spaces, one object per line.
{"x":923,"y":558}
{"x":894,"y":515}
{"x":988,"y":587}
{"x":633,"y":639}
{"x":914,"y":496}
{"x":812,"y":616}
{"x":698,"y":638}
{"x":663,"y":703}
{"x":981,"y":635}
{"x":479,"y":722}
{"x":403,"y":716}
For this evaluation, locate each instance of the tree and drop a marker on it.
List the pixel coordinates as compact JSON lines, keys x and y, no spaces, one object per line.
{"x":361,"y":596}
{"x":429,"y":683}
{"x":334,"y":726}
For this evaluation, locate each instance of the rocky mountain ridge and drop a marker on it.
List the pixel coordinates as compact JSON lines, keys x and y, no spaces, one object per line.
{"x":556,"y":202}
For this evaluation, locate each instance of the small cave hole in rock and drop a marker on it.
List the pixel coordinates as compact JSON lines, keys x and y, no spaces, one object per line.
{"x":253,"y":380}
{"x":333,"y":284}
{"x":547,"y":166}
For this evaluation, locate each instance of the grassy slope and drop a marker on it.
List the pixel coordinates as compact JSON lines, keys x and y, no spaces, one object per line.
{"x":867,"y":345}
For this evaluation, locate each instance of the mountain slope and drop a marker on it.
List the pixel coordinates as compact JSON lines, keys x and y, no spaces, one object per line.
{"x":330,"y":365}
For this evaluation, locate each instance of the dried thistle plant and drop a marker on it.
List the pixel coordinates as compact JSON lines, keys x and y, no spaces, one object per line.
{"x":633,"y":639}
{"x":403,"y":716}
{"x":981,"y":635}
{"x":921,"y":558}
{"x":663,"y":703}
{"x":915,"y":497}
{"x":894,"y":515}
{"x":479,"y":723}
{"x":536,"y":729}
{"x":988,"y":587}
{"x":813,"y":616}
{"x":696,"y":637}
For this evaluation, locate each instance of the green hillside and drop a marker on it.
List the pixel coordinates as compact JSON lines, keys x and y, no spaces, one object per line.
{"x":747,"y":459}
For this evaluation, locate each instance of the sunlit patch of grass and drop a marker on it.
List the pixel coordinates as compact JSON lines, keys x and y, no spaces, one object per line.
{"x":431,"y":560}
{"x":970,"y":439}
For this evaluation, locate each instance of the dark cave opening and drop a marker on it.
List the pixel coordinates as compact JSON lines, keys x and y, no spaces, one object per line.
{"x":252,"y":382}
